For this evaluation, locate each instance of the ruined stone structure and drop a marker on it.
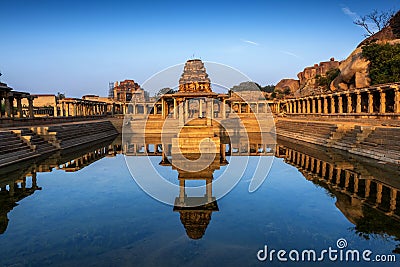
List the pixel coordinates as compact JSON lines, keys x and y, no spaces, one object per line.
{"x":128,"y":90}
{"x":9,"y":97}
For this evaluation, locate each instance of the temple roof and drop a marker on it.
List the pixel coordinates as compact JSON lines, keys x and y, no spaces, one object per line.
{"x":194,"y":71}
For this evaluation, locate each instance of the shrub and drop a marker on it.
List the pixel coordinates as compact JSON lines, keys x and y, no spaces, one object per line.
{"x":384,"y":62}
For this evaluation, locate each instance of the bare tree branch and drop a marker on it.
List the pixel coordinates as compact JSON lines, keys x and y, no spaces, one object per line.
{"x":374,"y":20}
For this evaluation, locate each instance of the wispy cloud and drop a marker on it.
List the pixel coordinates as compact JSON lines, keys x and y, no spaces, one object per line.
{"x":249,"y":42}
{"x":289,"y":53}
{"x":347,"y":11}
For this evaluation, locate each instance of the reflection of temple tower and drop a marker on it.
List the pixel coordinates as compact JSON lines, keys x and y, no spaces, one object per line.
{"x":195,"y":211}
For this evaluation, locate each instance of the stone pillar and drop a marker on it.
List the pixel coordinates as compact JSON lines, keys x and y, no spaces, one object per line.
{"x":340,"y":104}
{"x":382,"y":106}
{"x":181,"y":115}
{"x":182,"y":191}
{"x":314,"y":106}
{"x":212,"y":108}
{"x":370,"y":102}
{"x":308,"y":101}
{"x":303,"y":104}
{"x":355,"y":184}
{"x":358,"y":105}
{"x":323,"y":172}
{"x":7,"y":105}
{"x":367,"y":188}
{"x":67,"y":109}
{"x":224,"y":109}
{"x":55,"y":111}
{"x":325,"y":105}
{"x":307,"y":162}
{"x":200,"y":107}
{"x":319,"y":109}
{"x":223,"y":152}
{"x":186,"y":116}
{"x":73,"y":109}
{"x":209,"y":111}
{"x":349,"y":104}
{"x":378,"y":193}
{"x":34,"y":180}
{"x":209,"y":190}
{"x":30,"y":107}
{"x":333,"y":109}
{"x":175,"y":109}
{"x":318,"y":166}
{"x":19,"y":107}
{"x":397,"y":100}
{"x":393,"y":196}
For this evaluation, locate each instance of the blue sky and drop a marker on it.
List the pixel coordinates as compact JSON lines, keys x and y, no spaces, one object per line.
{"x":77,"y":48}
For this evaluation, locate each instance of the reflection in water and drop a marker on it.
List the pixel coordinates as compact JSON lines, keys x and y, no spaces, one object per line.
{"x":195,"y":211}
{"x":366,"y":191}
{"x":14,"y":179}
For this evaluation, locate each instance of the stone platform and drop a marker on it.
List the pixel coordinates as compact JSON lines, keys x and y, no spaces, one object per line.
{"x":23,"y":143}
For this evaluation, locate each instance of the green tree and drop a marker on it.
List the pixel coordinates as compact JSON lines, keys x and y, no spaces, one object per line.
{"x":384,"y":62}
{"x":325,"y":80}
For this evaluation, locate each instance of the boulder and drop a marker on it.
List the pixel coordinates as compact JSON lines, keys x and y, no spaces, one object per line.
{"x":353,"y":70}
{"x":292,"y":84}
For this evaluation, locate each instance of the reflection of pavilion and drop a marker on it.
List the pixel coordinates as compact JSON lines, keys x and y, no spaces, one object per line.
{"x":367,"y":193}
{"x":195,"y":211}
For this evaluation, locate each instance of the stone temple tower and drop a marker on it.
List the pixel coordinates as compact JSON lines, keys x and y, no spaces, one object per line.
{"x":194,"y":78}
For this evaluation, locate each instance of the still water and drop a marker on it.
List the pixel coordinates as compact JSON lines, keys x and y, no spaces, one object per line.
{"x":84,"y":208}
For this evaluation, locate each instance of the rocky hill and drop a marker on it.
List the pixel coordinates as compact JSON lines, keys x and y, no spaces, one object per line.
{"x":349,"y":74}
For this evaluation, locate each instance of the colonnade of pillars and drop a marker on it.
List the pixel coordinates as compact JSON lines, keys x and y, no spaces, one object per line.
{"x":80,"y":108}
{"x":13,"y":106}
{"x":85,"y":160}
{"x":371,"y":100}
{"x":249,"y":107}
{"x":20,"y":186}
{"x":232,"y":149}
{"x":205,"y":107}
{"x":347,"y":180}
